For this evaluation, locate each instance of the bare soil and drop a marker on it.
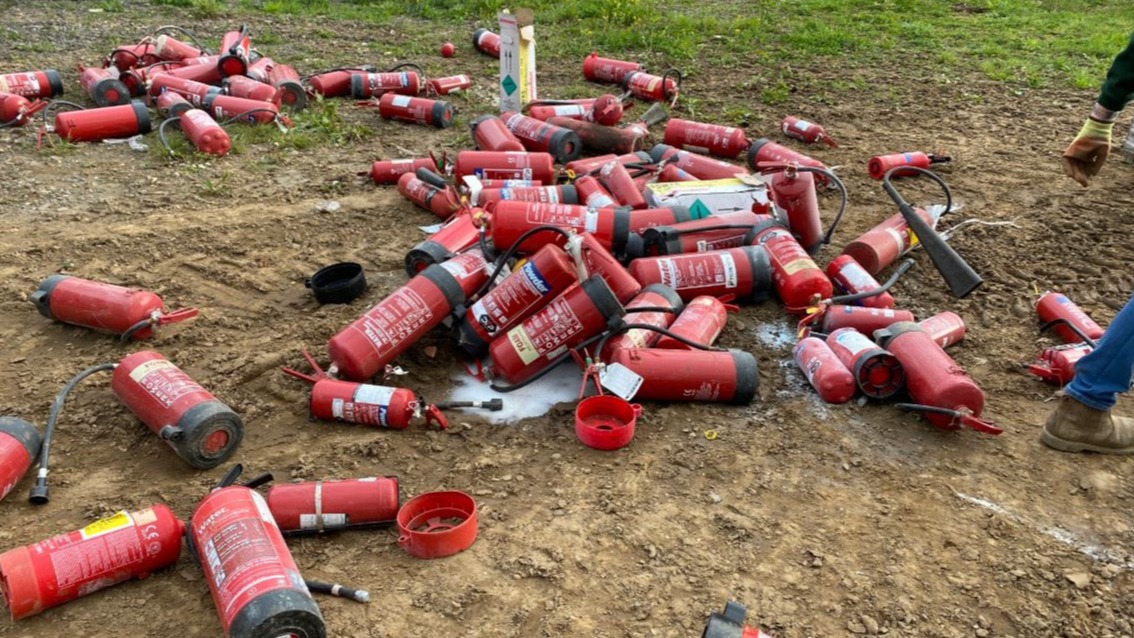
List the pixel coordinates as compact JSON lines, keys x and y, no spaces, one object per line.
{"x":823,"y":520}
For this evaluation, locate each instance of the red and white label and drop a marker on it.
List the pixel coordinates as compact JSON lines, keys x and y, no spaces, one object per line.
{"x":164,"y":381}
{"x":395,"y":319}
{"x":856,"y":279}
{"x":545,"y":333}
{"x":25,"y":84}
{"x":698,"y":271}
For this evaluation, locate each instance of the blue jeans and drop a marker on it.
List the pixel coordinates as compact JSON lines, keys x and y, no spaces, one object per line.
{"x":1101,"y":375}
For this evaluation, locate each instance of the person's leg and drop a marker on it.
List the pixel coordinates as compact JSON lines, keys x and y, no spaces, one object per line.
{"x":1083,"y":422}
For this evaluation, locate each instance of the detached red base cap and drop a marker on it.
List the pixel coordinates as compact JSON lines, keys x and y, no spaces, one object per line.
{"x":437,"y":524}
{"x":606,"y":422}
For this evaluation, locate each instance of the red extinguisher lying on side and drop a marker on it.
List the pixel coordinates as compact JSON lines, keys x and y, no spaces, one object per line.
{"x":202,"y":130}
{"x":17,"y":110}
{"x":131,"y":313}
{"x":314,"y":507}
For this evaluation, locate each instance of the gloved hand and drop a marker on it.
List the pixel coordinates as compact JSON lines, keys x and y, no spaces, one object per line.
{"x":1085,"y":156}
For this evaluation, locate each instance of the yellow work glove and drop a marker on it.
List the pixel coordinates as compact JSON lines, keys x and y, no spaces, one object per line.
{"x":1088,"y":151}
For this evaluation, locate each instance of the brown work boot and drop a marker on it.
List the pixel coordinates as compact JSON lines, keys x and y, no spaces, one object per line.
{"x":1075,"y":427}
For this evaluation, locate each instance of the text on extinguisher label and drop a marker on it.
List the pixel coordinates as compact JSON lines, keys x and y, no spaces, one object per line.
{"x":545,"y":333}
{"x":556,"y":215}
{"x":394,"y":319}
{"x":703,"y":272}
{"x":854,"y":342}
{"x":164,"y":381}
{"x":856,"y":278}
{"x":510,"y":299}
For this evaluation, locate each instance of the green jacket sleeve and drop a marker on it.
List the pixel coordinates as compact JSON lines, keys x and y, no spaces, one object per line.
{"x":1118,"y":89}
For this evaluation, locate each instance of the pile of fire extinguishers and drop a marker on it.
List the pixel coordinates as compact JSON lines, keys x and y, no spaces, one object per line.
{"x":626,"y":261}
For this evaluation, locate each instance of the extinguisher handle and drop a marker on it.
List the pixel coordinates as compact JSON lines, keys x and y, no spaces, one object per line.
{"x":177,"y":315}
{"x":434,"y":415}
{"x":960,"y":419}
{"x":1070,"y":326}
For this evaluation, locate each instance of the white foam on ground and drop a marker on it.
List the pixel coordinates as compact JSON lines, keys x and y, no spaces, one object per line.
{"x":537,"y":399}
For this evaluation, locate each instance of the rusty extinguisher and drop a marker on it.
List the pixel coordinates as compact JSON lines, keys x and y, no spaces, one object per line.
{"x":113,"y":550}
{"x":131,"y":313}
{"x":364,"y":403}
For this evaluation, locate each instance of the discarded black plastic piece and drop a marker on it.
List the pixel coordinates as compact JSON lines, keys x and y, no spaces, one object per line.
{"x":338,"y":283}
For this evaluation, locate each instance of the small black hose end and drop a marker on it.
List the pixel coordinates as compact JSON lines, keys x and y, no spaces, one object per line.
{"x":38,"y":494}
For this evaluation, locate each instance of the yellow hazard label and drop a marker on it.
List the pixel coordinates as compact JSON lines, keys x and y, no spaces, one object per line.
{"x":913,"y":238}
{"x":121,"y":520}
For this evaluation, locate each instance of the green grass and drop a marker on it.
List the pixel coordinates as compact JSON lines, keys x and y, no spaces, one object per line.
{"x":1027,"y":42}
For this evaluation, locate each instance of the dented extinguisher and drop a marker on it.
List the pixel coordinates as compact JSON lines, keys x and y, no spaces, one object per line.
{"x":122,"y":547}
{"x":806,"y":132}
{"x":131,"y":313}
{"x":254,"y":581}
{"x":364,"y":403}
{"x":314,"y":507}
{"x":363,"y":348}
{"x":880,"y":164}
{"x":944,"y":393}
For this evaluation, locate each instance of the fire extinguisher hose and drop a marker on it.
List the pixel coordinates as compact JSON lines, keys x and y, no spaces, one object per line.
{"x":1070,"y":326}
{"x":829,"y":174}
{"x":317,"y":587}
{"x":511,"y":252}
{"x":39,"y":494}
{"x":901,"y":270}
{"x":893,"y":193}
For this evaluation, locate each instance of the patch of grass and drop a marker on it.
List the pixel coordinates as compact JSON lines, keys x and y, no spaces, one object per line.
{"x":199,"y":8}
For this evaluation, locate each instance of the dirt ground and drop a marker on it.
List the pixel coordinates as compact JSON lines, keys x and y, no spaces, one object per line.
{"x":823,"y":520}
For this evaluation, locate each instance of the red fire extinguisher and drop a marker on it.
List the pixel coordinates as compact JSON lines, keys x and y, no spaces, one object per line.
{"x":851,"y":278}
{"x":598,"y":138}
{"x":490,"y":133}
{"x":544,"y":276}
{"x":131,"y":56}
{"x":203,"y":131}
{"x":701,"y":322}
{"x":235,"y":49}
{"x":799,"y":283}
{"x":1066,"y":318}
{"x":363,"y":348}
{"x":17,"y":110}
{"x":368,"y":85}
{"x":824,"y":370}
{"x":541,"y":340}
{"x":442,"y":202}
{"x":336,"y":82}
{"x":107,"y":552}
{"x":593,"y":258}
{"x":945,"y":328}
{"x":462,"y":231}
{"x":246,"y":87}
{"x":256,"y":585}
{"x":448,"y":84}
{"x":653,"y":88}
{"x":103,"y":86}
{"x":698,"y":166}
{"x":105,"y":123}
{"x":32,"y":84}
{"x":614,"y":228}
{"x":172,"y":104}
{"x":364,"y":403}
{"x":543,"y":137}
{"x":202,"y":431}
{"x":878,"y":373}
{"x":878,"y":165}
{"x":881,"y":246}
{"x":287,"y":82}
{"x":806,"y":132}
{"x":545,"y":194}
{"x":195,"y":92}
{"x":131,"y":313}
{"x":605,"y":109}
{"x":1056,"y":364}
{"x":486,"y":42}
{"x":730,"y":624}
{"x":716,"y":232}
{"x":671,"y":173}
{"x":654,"y":296}
{"x":386,"y":172}
{"x":764,"y":153}
{"x":617,"y":181}
{"x":707,"y":139}
{"x":592,"y":194}
{"x":793,"y":190}
{"x":416,"y":110}
{"x":167,"y":47}
{"x":505,"y":165}
{"x":314,"y":507}
{"x":863,"y":319}
{"x":19,"y":444}
{"x":704,"y":376}
{"x":946,"y":396}
{"x":588,"y":164}
{"x":195,"y":69}
{"x":608,"y":70}
{"x":744,"y":272}
{"x":239,"y":109}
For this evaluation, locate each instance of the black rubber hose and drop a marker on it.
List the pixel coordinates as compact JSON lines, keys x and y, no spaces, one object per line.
{"x":504,"y":389}
{"x":511,"y":252}
{"x":39,"y":495}
{"x":164,"y":142}
{"x":901,"y":270}
{"x":645,"y":326}
{"x":1072,"y":327}
{"x":893,"y":192}
{"x":132,"y":330}
{"x":317,"y":587}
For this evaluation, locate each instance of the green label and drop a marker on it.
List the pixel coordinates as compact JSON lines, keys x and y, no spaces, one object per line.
{"x":699,"y":211}
{"x":509,"y":85}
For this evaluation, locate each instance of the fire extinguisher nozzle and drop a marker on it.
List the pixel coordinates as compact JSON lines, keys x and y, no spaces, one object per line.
{"x":39,"y":493}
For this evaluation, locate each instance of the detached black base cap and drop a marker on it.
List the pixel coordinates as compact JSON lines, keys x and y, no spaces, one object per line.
{"x":442,"y":114}
{"x":338,"y":283}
